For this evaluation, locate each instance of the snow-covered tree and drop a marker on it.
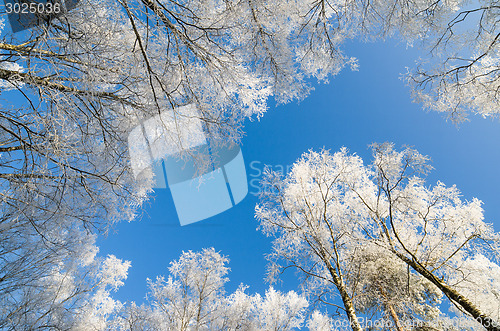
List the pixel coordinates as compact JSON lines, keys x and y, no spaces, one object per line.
{"x":331,"y":212}
{"x":61,"y":285}
{"x":193,"y":297}
{"x":76,"y":294}
{"x":462,"y":74}
{"x":79,"y":84}
{"x":83,"y":81}
{"x":381,"y":283}
{"x":312,"y":227}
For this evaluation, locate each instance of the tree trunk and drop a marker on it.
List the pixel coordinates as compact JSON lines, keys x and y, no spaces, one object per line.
{"x":487,"y":322}
{"x":395,"y":317}
{"x":391,"y":310}
{"x":346,"y":299}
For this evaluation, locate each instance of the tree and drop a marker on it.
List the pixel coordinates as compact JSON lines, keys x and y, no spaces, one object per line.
{"x":294,"y":210}
{"x":79,"y":86}
{"x":331,"y":208}
{"x":76,"y":295}
{"x":193,"y":298}
{"x":462,"y":75}
{"x":381,"y":283}
{"x":66,"y":286}
{"x":82,"y":82}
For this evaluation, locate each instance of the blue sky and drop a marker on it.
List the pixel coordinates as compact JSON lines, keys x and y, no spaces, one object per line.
{"x":354,"y":110}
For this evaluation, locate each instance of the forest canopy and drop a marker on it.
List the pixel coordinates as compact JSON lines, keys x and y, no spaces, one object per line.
{"x":75,"y":86}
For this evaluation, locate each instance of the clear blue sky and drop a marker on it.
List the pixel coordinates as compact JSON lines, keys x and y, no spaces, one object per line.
{"x":354,"y":110}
